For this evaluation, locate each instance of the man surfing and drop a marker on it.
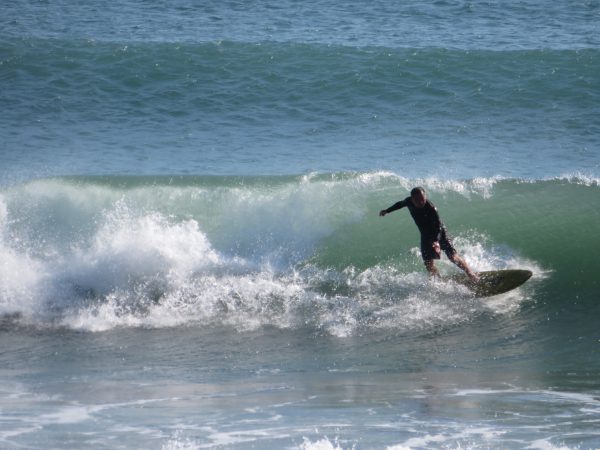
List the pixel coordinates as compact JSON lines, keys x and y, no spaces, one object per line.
{"x":434,"y":238}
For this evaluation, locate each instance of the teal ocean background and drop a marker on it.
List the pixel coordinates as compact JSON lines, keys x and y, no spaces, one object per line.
{"x":190,"y":249}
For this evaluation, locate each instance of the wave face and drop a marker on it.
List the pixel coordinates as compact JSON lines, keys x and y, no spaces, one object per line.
{"x":95,"y":253}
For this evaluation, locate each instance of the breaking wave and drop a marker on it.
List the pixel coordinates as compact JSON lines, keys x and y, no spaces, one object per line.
{"x":97,"y":253}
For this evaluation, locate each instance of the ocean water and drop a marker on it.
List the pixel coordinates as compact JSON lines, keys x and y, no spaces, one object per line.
{"x":190,"y":249}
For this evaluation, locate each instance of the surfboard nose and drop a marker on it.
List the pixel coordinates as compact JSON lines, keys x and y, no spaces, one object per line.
{"x":494,"y":282}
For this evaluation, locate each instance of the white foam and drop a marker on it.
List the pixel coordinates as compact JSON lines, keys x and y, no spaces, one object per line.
{"x":482,"y":186}
{"x":70,"y":414}
{"x":580,"y":178}
{"x":248,"y":436}
{"x":426,"y":441}
{"x":129,"y":246}
{"x":233,"y":293}
{"x":7,"y":435}
{"x":321,"y":444}
{"x":544,"y":444}
{"x":478,"y":186}
{"x":178,"y":442}
{"x":22,"y":277}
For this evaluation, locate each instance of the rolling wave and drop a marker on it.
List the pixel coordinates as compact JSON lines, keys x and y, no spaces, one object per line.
{"x":96,"y":253}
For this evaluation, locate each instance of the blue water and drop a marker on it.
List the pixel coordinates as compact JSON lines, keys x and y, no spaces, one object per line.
{"x":190,"y":249}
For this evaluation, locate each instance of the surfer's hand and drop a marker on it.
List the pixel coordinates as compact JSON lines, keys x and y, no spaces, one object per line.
{"x":383,"y":212}
{"x":436,"y":248}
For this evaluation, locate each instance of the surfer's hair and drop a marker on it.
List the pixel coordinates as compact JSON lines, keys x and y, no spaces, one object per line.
{"x":417,"y":190}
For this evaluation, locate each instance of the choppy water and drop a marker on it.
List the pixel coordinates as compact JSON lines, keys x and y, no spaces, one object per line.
{"x":190,"y":250}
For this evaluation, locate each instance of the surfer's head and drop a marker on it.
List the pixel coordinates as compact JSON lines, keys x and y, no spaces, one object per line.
{"x":418,"y":197}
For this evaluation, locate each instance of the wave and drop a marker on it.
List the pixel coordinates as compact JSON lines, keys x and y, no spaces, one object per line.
{"x":291,"y":79}
{"x":234,"y":107}
{"x":94,"y":253}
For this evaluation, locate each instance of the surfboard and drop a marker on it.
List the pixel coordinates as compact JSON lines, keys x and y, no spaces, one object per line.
{"x":494,"y":282}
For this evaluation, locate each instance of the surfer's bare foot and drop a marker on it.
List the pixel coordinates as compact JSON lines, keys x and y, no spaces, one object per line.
{"x":473,"y":276}
{"x":464,"y":266}
{"x":433,"y":272}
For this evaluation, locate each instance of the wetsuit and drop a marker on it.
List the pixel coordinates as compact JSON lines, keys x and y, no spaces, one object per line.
{"x":431,"y":227}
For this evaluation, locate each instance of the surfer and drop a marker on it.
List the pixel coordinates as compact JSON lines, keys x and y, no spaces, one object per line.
{"x":434,"y":238}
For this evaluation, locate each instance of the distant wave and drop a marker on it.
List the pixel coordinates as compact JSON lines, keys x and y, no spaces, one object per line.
{"x":230,"y":79}
{"x":236,"y":107}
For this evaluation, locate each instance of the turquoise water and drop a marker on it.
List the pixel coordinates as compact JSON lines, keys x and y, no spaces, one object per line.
{"x":190,"y":249}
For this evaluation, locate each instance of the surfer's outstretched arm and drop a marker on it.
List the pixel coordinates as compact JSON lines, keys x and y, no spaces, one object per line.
{"x":396,"y":206}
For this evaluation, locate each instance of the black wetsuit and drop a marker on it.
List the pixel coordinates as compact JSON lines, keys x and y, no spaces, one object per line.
{"x":431,"y":227}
